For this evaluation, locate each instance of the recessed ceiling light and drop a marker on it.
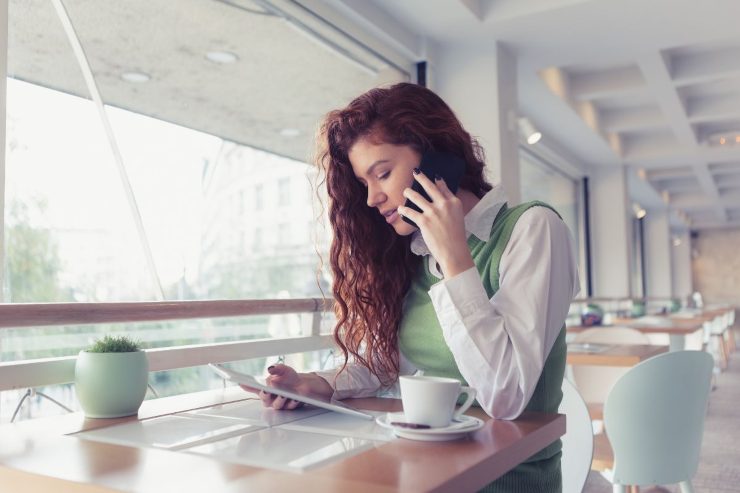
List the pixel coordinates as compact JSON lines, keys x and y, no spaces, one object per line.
{"x":135,"y":77}
{"x":290,"y":132}
{"x":729,"y":137}
{"x":221,"y":57}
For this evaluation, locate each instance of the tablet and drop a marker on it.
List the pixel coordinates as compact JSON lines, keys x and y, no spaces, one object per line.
{"x":314,"y":400}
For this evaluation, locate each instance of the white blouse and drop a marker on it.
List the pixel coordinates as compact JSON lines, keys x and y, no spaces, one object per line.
{"x":499,"y":344}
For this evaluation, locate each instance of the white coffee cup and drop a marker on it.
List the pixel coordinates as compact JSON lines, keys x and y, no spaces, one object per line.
{"x":431,"y":400}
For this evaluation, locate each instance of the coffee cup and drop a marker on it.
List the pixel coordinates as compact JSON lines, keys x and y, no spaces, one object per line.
{"x":431,"y":401}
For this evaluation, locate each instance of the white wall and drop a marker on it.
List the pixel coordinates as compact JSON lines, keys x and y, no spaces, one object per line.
{"x":716,"y":265}
{"x":611,"y":232}
{"x":681,"y":266}
{"x":658,"y":254}
{"x":3,"y":92}
{"x":480,"y":85}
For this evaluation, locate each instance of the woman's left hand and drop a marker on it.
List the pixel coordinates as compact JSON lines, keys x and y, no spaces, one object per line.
{"x":442,"y":224}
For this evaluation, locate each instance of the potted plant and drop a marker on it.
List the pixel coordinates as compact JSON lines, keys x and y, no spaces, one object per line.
{"x":111,"y":377}
{"x":592,"y":314}
{"x":638,"y":309}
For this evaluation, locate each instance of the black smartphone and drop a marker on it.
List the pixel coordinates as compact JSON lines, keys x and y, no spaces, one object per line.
{"x":449,"y":166}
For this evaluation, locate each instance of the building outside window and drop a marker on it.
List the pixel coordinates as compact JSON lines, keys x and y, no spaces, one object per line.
{"x":176,"y":199}
{"x":284,"y":192}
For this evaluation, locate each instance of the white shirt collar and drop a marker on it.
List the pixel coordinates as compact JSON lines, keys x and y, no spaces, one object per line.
{"x":478,"y":221}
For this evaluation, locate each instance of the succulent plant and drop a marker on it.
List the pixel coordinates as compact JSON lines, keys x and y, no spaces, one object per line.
{"x":114,"y":344}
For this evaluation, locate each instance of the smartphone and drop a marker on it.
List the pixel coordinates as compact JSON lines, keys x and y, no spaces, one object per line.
{"x":449,"y":166}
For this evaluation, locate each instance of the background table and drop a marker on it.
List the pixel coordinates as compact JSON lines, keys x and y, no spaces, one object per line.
{"x":614,"y":354}
{"x":677,"y":329}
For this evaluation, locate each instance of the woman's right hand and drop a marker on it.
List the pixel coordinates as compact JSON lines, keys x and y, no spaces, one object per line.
{"x":300,"y":383}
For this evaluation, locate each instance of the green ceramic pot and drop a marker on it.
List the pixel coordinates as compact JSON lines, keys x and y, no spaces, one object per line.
{"x":638,"y":309}
{"x":111,"y":385}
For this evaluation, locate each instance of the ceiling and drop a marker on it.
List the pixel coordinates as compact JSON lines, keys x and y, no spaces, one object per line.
{"x":650,"y":85}
{"x":272,"y":97}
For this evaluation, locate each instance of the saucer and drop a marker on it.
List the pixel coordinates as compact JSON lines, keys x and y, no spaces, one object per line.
{"x":457,"y":429}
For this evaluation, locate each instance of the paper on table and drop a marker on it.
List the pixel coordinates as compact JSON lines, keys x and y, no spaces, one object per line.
{"x":252,"y":411}
{"x":282,"y":449}
{"x":343,"y":425}
{"x":168,"y":432}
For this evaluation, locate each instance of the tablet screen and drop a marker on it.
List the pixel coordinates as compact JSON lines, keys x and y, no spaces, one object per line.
{"x":314,"y":399}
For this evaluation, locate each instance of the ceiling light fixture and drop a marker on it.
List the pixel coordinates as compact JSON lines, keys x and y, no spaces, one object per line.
{"x":639,"y":211}
{"x":723,"y":138}
{"x":223,"y":57}
{"x":135,"y":77}
{"x":530,"y":132}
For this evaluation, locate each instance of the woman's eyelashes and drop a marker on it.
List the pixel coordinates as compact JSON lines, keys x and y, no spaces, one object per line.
{"x":384,"y":175}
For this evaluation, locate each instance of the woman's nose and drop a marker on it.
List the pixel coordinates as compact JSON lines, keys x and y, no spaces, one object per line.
{"x":374,"y":196}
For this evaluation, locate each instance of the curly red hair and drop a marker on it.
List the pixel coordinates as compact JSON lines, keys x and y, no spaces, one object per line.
{"x":371,"y":264}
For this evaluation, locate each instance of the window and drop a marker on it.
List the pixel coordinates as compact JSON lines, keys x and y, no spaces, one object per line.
{"x":284,"y":238}
{"x":284,"y":192}
{"x":167,"y":189}
{"x":637,"y":276}
{"x":259,"y":197}
{"x":541,"y":180}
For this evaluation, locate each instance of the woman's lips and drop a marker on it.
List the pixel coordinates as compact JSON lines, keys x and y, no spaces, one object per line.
{"x":391,"y":217}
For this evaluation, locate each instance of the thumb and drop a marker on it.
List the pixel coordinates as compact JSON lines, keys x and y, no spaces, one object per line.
{"x":278,"y":370}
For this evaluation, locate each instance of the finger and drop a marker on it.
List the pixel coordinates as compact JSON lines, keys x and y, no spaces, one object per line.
{"x":267,"y":399}
{"x":428,"y":185}
{"x":442,"y":187}
{"x":415,"y":216}
{"x":292,"y":404}
{"x":279,"y":402}
{"x":276,"y":369}
{"x":274,"y":376}
{"x":416,"y":198}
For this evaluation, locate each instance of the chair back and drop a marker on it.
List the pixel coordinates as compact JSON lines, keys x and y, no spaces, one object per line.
{"x":578,"y":441}
{"x":595,"y":382}
{"x":654,"y":417}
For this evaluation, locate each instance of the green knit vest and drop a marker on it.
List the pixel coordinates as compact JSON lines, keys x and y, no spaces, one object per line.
{"x":421,"y":341}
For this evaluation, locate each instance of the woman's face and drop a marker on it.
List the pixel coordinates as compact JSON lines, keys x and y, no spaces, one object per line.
{"x":385,"y":170}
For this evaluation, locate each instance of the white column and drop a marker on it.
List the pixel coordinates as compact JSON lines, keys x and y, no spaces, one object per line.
{"x":681,"y":265}
{"x":3,"y":118}
{"x":480,"y":85}
{"x":658,"y":254}
{"x":611,"y":232}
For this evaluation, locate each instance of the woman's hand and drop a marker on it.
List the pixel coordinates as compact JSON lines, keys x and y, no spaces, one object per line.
{"x":286,"y":377}
{"x":442,"y":224}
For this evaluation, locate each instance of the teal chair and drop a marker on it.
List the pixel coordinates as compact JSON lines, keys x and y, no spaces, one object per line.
{"x":654,"y":417}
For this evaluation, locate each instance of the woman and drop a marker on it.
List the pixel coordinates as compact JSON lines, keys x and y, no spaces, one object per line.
{"x":479,"y":291}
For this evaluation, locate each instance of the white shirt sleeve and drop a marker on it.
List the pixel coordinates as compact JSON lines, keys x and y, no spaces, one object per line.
{"x":500,"y":345}
{"x":357,"y":381}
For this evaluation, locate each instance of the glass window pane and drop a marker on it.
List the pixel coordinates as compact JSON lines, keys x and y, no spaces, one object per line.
{"x":543,"y":182}
{"x":213,"y":107}
{"x":69,"y":234}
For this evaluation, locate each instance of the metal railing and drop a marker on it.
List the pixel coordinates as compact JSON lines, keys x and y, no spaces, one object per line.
{"x":51,"y":371}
